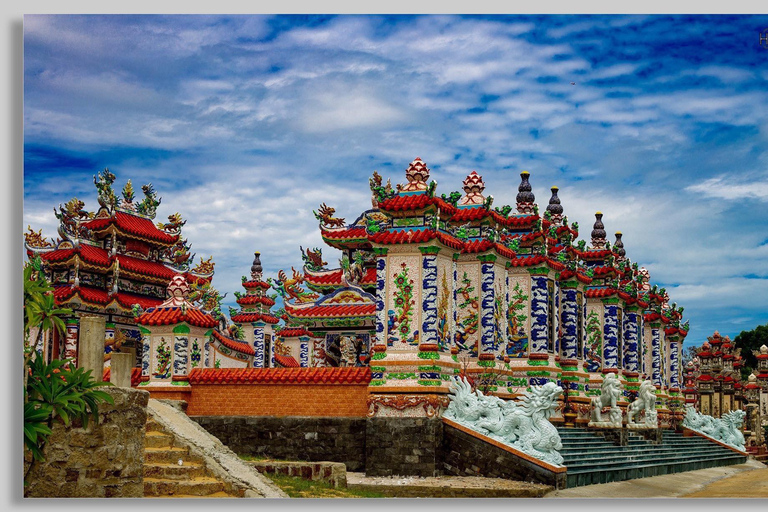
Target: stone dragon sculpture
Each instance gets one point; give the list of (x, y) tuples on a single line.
[(724, 429), (523, 425)]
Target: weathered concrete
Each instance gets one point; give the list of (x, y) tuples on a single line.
[(446, 487), (101, 461), (313, 439), (219, 459), (403, 446), (120, 370), (664, 486), (332, 473), (90, 355)]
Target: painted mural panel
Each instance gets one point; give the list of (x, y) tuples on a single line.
[(162, 363), (518, 317), (444, 303), (468, 308), (593, 350), (403, 301)]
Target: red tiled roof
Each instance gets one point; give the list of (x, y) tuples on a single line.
[(567, 274), (88, 253), (332, 311), (348, 232), (286, 361), (173, 315), (134, 225), (528, 260), (233, 344), (101, 297), (247, 318), (144, 267), (603, 270), (333, 278), (592, 254), (255, 284), (652, 317), (704, 377), (291, 332), (521, 220), (332, 375), (415, 202), (599, 292), (413, 236), (470, 213), (255, 299)]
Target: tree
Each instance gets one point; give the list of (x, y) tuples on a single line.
[(689, 353), (748, 341)]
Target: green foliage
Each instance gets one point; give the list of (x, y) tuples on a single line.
[(55, 390), (748, 341)]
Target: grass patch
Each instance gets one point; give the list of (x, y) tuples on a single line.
[(256, 458), (296, 487)]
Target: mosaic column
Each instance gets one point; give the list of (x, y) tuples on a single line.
[(641, 348), (109, 342), (610, 338), (454, 303), (146, 351), (539, 319), (487, 308), (631, 345), (381, 296), (428, 336), (556, 305), (569, 317), (505, 312), (304, 351), (258, 347), (655, 356), (674, 364), (70, 343), (180, 351)]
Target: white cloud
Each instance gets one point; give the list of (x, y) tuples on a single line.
[(725, 188)]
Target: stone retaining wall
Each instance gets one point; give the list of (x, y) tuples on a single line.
[(403, 446), (465, 454), (292, 437), (332, 473), (102, 461)]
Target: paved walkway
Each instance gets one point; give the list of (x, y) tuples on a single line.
[(749, 480)]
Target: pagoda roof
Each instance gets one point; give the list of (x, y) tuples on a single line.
[(410, 202), (247, 318), (170, 315), (528, 260), (416, 236), (255, 299), (477, 246), (231, 343), (99, 297), (255, 284), (704, 377), (333, 277), (571, 273), (286, 361), (135, 225)]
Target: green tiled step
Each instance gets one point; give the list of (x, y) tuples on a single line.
[(590, 459)]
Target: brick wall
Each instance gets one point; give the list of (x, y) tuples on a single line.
[(314, 392)]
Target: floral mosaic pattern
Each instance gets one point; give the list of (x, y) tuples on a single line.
[(162, 360), (195, 355), (443, 330), (404, 305), (594, 349), (517, 341), (469, 320)]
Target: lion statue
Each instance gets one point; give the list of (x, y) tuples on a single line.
[(610, 391), (646, 401), (522, 424)]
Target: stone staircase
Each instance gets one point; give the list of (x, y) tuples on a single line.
[(591, 459), (164, 477)]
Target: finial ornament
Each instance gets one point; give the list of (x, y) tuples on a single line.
[(473, 190), (554, 208), (525, 198), (598, 232), (417, 175)]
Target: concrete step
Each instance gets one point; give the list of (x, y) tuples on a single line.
[(169, 455), (154, 426), (156, 439), (198, 486), (174, 471), (621, 462)]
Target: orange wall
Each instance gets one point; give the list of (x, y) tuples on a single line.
[(278, 399)]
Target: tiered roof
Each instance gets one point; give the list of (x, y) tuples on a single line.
[(255, 306)]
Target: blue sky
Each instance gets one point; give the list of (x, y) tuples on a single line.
[(244, 124)]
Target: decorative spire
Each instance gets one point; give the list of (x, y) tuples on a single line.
[(645, 278), (178, 291), (473, 186), (555, 208), (256, 268), (525, 197), (417, 175), (598, 232), (618, 247)]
